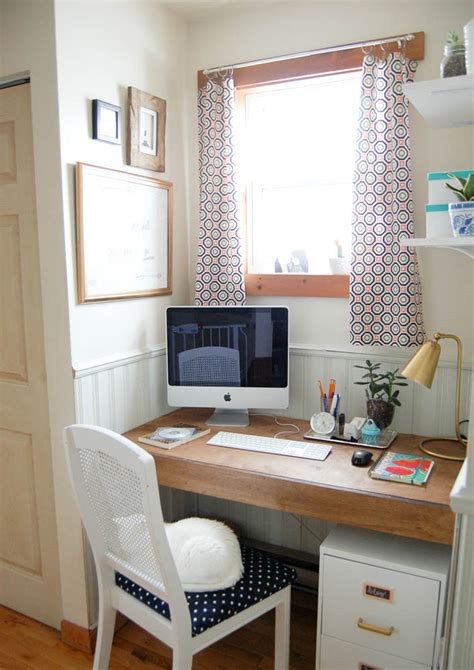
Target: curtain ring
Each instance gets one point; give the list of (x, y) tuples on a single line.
[(402, 44), (220, 74), (367, 50)]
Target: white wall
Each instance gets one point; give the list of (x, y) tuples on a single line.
[(271, 29), (102, 48)]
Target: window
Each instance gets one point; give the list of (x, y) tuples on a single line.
[(296, 147)]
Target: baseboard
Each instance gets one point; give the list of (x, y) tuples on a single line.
[(84, 638), (78, 637)]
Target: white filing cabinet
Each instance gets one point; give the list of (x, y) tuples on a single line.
[(381, 601)]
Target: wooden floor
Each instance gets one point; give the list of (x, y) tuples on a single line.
[(28, 645)]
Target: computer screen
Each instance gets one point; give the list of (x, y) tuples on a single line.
[(228, 358)]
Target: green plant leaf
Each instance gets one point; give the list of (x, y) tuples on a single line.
[(464, 190), (458, 193), (469, 187), (453, 37)]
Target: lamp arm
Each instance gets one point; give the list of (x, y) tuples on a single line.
[(448, 336)]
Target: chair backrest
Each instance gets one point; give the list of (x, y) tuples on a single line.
[(209, 365), (116, 489)]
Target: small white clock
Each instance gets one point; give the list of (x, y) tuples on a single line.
[(323, 423)]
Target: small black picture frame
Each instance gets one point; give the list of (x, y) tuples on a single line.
[(105, 122)]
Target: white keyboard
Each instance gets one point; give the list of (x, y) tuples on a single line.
[(270, 445)]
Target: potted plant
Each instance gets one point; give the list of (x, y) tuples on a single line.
[(339, 264), (462, 212), (382, 396), (454, 61)]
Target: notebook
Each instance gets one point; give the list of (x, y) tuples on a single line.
[(404, 468)]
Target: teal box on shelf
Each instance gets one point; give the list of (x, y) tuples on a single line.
[(438, 223)]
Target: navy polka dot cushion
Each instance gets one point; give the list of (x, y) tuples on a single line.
[(263, 576)]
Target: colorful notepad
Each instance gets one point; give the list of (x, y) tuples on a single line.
[(404, 468)]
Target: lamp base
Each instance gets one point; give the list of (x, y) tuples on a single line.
[(462, 445)]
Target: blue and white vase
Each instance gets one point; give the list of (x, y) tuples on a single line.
[(462, 218)]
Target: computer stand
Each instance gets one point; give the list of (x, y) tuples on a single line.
[(238, 418)]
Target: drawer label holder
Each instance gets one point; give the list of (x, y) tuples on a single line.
[(377, 592)]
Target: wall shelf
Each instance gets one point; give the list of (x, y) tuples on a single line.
[(444, 103), (464, 245)]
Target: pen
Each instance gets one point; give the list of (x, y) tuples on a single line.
[(332, 388), (321, 396)]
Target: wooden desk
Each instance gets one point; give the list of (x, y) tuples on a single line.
[(333, 489)]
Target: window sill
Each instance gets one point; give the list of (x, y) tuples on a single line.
[(318, 286)]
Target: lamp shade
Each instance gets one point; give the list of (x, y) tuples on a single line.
[(422, 365)]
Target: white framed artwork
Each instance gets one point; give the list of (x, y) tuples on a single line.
[(123, 233)]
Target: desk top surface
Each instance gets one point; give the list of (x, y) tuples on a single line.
[(333, 489)]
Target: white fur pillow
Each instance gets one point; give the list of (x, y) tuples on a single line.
[(206, 552)]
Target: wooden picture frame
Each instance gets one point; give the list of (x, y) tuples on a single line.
[(146, 130), (123, 234), (106, 124)]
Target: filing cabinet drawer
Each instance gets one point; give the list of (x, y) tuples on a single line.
[(340, 655), (390, 611)]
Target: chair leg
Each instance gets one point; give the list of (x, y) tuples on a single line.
[(105, 636), (282, 632), (182, 657)]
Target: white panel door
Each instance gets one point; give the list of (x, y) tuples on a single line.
[(29, 571)]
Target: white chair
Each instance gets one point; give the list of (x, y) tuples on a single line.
[(116, 488)]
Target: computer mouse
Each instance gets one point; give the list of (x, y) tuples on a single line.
[(361, 457)]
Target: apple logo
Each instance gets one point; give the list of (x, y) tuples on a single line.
[(227, 397)]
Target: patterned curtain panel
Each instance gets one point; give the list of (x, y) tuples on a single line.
[(219, 272), (385, 291)]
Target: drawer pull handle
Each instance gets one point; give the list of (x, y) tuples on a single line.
[(374, 629)]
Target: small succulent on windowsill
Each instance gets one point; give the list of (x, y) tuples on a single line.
[(465, 191), (382, 396)]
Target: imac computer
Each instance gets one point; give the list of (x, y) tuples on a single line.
[(228, 358)]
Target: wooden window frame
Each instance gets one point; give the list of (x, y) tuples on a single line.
[(293, 69)]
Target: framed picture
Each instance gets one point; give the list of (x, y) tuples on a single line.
[(146, 130), (105, 122), (123, 234)]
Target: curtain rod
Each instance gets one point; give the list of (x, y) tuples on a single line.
[(342, 47)]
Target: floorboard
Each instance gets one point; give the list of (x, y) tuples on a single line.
[(28, 645)]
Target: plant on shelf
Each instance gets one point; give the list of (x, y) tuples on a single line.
[(465, 191), (382, 396), (453, 39), (454, 60), (461, 213)]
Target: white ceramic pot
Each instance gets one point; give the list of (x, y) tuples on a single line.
[(462, 218), (340, 266)]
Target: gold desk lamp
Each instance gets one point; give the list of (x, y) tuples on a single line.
[(420, 369)]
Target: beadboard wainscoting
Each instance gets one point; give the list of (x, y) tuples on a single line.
[(125, 393)]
